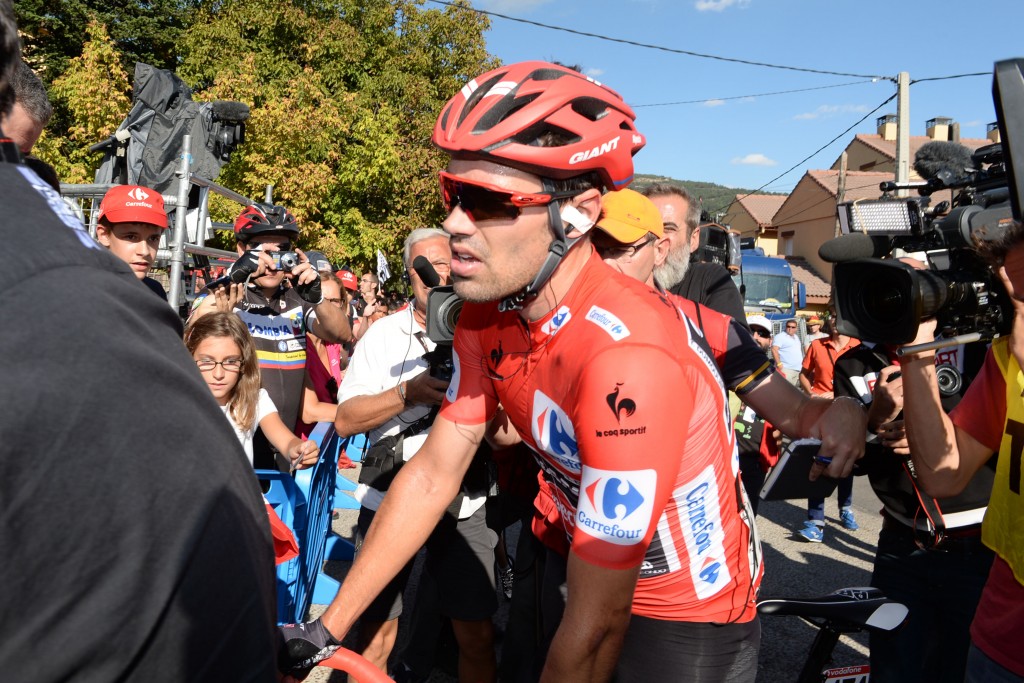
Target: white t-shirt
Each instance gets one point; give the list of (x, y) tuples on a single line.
[(391, 352), (264, 406)]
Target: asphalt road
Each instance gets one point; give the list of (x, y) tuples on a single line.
[(793, 568)]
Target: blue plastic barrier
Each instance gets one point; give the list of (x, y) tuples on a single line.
[(304, 503)]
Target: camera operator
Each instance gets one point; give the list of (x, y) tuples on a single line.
[(930, 556), (388, 391), (948, 451), (280, 303)]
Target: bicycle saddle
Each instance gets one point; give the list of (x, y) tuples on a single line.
[(860, 607)]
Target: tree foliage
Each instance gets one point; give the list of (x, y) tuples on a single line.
[(94, 90), (344, 97)]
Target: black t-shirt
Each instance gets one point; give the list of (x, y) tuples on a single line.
[(135, 543), (855, 374), (710, 284)]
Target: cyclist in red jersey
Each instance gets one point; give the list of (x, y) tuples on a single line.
[(604, 377)]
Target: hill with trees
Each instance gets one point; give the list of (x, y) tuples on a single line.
[(714, 198)]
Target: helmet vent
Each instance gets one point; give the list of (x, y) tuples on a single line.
[(478, 95), (590, 108), (543, 134)]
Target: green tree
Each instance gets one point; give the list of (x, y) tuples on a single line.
[(94, 90), (344, 96)]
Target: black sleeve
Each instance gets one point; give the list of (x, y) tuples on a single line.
[(745, 363), (710, 284)]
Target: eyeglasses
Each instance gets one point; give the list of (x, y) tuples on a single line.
[(758, 332), (483, 202), (229, 365), (616, 251), (790, 327)]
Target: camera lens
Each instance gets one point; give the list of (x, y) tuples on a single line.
[(288, 260), (949, 379)]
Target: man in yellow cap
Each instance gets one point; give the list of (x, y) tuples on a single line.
[(631, 237)]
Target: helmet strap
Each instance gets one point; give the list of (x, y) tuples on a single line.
[(557, 250)]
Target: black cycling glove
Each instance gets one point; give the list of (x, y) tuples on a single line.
[(303, 646), (247, 264), (311, 292)]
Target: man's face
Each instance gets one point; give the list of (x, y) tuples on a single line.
[(437, 251), (270, 242), (367, 285), (133, 243), (635, 260), (762, 336), (496, 257), (21, 128), (791, 328), (673, 210)]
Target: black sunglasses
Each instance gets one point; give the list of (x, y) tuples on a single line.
[(483, 202)]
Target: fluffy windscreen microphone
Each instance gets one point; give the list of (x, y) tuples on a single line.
[(851, 247), (947, 159), (227, 110), (426, 272)]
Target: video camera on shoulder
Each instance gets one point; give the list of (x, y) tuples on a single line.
[(885, 300)]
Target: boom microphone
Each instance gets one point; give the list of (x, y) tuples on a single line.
[(426, 272), (851, 247), (227, 110), (943, 160)]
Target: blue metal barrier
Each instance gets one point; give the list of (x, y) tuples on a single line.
[(305, 503)]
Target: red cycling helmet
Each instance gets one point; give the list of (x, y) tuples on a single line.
[(502, 115), (258, 219)]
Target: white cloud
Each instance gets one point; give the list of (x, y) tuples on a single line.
[(713, 103), (512, 6), (718, 5), (829, 110), (595, 73), (754, 160)]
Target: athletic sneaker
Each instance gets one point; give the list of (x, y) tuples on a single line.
[(847, 519), (812, 532), (506, 577)]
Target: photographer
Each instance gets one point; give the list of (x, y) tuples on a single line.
[(930, 556), (279, 304), (948, 451), (388, 391)]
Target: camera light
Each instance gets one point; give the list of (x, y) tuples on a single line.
[(880, 217)]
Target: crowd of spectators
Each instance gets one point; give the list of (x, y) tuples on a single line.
[(262, 359)]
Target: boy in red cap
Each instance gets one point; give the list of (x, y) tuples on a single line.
[(130, 222)]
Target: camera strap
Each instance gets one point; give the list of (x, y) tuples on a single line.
[(936, 530)]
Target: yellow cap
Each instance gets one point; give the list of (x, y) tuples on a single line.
[(627, 216)]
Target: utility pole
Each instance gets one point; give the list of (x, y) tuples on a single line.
[(841, 191), (903, 131)]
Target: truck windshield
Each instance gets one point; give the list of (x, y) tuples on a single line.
[(766, 290)]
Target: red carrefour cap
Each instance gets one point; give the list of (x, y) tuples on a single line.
[(349, 279), (133, 204)]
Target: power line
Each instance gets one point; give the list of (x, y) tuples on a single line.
[(947, 78), (817, 151), (657, 47), (819, 203), (743, 97)]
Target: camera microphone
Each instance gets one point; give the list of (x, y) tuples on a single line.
[(227, 110), (426, 272), (945, 161), (851, 247)]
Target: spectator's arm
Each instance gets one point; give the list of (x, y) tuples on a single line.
[(362, 413), (313, 409), (806, 378), (588, 641), (301, 453), (331, 324), (775, 355)]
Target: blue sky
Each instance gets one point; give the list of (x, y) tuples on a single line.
[(746, 142)]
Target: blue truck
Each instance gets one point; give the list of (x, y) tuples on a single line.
[(765, 282)]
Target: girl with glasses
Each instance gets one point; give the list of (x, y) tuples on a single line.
[(225, 354)]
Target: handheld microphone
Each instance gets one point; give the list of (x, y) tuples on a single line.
[(852, 247), (426, 272)]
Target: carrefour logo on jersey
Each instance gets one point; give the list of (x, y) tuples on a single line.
[(553, 432), (616, 506), (608, 322), (700, 518)]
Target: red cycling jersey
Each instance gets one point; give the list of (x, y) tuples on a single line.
[(617, 394)]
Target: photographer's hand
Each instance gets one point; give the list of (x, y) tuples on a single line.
[(306, 280), (425, 390), (894, 435), (887, 398), (227, 297)]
